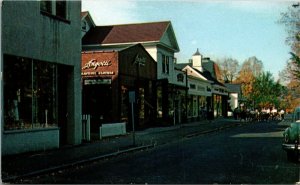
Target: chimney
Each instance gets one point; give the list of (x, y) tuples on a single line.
[(197, 61)]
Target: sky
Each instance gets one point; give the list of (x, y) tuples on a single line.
[(238, 29)]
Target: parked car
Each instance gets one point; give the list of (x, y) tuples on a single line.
[(291, 137)]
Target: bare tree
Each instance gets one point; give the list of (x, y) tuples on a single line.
[(291, 20), (229, 69)]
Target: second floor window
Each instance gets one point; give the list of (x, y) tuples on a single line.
[(165, 64), (56, 8)]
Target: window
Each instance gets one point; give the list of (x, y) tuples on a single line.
[(192, 86), (55, 8), (46, 6), (30, 93), (165, 64)]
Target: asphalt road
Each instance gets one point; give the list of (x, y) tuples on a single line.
[(249, 154)]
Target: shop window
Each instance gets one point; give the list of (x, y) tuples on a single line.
[(159, 102), (165, 64), (55, 8), (192, 86), (190, 105), (30, 98), (141, 104)]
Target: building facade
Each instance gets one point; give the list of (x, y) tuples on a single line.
[(109, 76), (235, 95), (159, 40), (205, 92), (41, 90)]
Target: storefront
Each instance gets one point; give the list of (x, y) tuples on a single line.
[(40, 68), (35, 104), (198, 101), (108, 76), (220, 100)]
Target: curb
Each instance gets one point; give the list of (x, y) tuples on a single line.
[(56, 168), (110, 155)]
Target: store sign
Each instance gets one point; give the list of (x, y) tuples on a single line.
[(140, 61), (97, 81), (94, 64), (97, 73)]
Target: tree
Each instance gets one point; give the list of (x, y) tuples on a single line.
[(229, 69), (254, 65), (291, 74), (291, 20), (266, 92), (251, 68)]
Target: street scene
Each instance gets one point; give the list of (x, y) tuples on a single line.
[(150, 92)]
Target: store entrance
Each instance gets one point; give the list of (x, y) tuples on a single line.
[(97, 102), (62, 109)]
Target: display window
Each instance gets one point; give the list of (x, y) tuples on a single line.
[(190, 105), (30, 93), (159, 102), (217, 105)]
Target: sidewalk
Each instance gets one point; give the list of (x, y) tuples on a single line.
[(22, 165)]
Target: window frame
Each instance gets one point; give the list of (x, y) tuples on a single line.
[(53, 4), (165, 64)]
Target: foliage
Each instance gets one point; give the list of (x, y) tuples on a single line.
[(291, 73), (251, 68), (266, 92)]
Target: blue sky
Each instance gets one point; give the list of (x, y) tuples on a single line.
[(219, 28)]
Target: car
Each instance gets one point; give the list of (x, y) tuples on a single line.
[(291, 137)]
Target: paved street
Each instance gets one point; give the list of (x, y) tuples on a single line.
[(247, 154)]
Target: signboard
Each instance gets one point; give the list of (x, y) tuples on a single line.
[(96, 81), (140, 61), (97, 73), (131, 97), (99, 64), (94, 64)]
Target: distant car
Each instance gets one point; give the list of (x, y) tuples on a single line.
[(291, 137)]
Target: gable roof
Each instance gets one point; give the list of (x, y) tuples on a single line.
[(130, 33), (206, 73), (87, 16), (83, 14)]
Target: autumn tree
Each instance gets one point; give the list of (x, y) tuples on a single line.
[(251, 68), (229, 69)]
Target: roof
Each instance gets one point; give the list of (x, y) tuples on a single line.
[(128, 33), (197, 53), (208, 65), (207, 74), (86, 15), (83, 14)]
